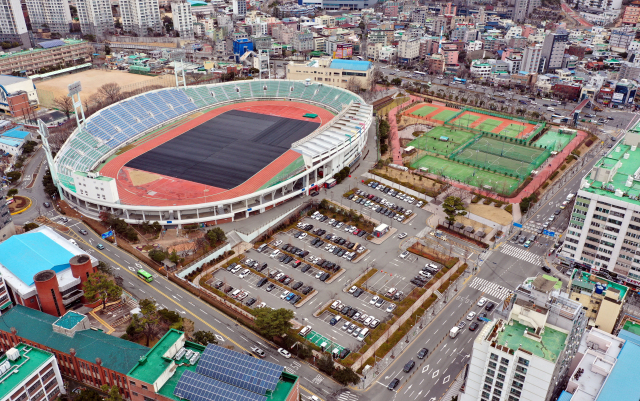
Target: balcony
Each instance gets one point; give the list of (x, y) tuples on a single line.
[(72, 296)]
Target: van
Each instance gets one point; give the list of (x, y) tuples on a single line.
[(275, 253), (235, 293), (305, 330), (335, 320), (364, 333), (335, 353), (550, 109), (261, 247)]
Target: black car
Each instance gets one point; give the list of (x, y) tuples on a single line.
[(296, 264), (261, 268), (423, 353), (557, 212), (228, 289), (306, 290), (319, 244), (344, 353), (218, 284), (409, 365), (297, 234), (295, 299), (546, 269), (489, 306), (46, 204), (328, 237), (231, 266), (297, 285), (352, 312), (394, 383), (361, 233), (345, 309), (287, 280), (481, 316), (340, 253), (270, 287), (283, 257), (305, 268), (473, 326), (314, 241), (342, 241), (250, 302), (286, 247), (350, 197), (358, 292), (324, 277), (262, 282)]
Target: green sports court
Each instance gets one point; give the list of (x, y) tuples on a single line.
[(512, 130), (467, 174), (465, 119), (318, 339), (445, 115), (432, 141), (554, 140), (424, 111), (489, 125)]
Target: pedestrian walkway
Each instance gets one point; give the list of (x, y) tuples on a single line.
[(490, 289), (521, 254), (347, 396)]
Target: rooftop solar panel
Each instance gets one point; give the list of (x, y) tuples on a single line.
[(195, 387), (239, 369), (51, 43)]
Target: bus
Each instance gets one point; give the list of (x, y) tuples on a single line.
[(456, 79), (330, 183), (145, 276), (419, 73)]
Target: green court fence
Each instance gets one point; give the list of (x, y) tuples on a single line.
[(539, 126)]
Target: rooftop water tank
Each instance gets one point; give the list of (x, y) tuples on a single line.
[(599, 288)]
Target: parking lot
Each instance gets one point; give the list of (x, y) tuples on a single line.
[(392, 272)]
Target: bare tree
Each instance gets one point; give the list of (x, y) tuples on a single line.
[(64, 104), (110, 92), (376, 75), (353, 85)]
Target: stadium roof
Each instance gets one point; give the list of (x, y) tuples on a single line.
[(355, 65)]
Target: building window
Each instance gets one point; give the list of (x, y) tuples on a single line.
[(487, 387), (485, 394), (515, 392), (132, 383), (504, 361), (503, 369), (499, 384), (496, 391), (517, 384), (488, 380), (493, 357), (148, 399), (134, 393), (519, 377), (144, 387), (492, 365), (523, 361), (491, 372)]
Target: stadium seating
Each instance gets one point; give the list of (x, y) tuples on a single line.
[(115, 125)]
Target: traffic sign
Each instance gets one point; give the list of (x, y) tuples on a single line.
[(107, 234), (517, 225), (549, 233)]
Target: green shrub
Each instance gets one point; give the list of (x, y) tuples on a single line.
[(509, 208), (546, 184)]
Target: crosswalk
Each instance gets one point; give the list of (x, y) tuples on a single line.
[(347, 396), (521, 254), (490, 289)]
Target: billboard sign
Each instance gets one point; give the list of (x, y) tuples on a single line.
[(343, 50), (549, 233), (517, 225), (617, 97), (74, 88)]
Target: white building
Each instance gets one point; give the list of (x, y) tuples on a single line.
[(620, 39), (53, 15), (531, 58), (182, 19), (603, 5), (480, 68), (32, 372), (473, 45), (239, 7), (96, 17), (140, 16), (408, 50), (528, 347), (523, 8), (513, 32), (13, 27), (388, 54)]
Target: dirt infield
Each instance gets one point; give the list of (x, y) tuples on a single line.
[(91, 80), (492, 213)]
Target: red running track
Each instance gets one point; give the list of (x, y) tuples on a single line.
[(169, 191)]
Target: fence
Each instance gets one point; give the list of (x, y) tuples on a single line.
[(539, 126), (299, 210), (191, 267)]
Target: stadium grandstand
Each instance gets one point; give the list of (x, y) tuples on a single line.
[(117, 159)]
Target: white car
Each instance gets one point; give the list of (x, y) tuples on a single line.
[(284, 353), (244, 273), (391, 308), (420, 203), (374, 300), (319, 274), (402, 235), (284, 294), (352, 289), (482, 301), (404, 255), (471, 315), (236, 269), (277, 243), (261, 305), (302, 236)]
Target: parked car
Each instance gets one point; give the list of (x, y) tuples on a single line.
[(284, 353)]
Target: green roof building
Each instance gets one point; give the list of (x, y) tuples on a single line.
[(28, 372)]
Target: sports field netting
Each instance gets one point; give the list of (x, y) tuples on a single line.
[(445, 115), (431, 141), (554, 140), (488, 125), (467, 174), (424, 111), (465, 120), (512, 130)]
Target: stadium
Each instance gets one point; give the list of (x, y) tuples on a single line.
[(210, 154)]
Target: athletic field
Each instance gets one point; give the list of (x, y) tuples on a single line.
[(424, 111), (431, 141), (467, 174)]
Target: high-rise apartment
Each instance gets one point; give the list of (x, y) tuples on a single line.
[(523, 8), (96, 17), (239, 7), (553, 50), (182, 19), (53, 15), (13, 27), (531, 58), (140, 16)]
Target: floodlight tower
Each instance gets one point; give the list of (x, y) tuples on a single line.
[(178, 57), (263, 54), (78, 110)]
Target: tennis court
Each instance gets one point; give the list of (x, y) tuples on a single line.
[(505, 149), (318, 339), (431, 141), (513, 130), (467, 174), (465, 120), (554, 140), (445, 115), (424, 111), (489, 125)]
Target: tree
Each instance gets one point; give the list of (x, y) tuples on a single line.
[(149, 319), (88, 395), (14, 176), (375, 77), (346, 376), (204, 337), (396, 81), (100, 287), (215, 236), (353, 85), (107, 49), (157, 255), (30, 226), (453, 207), (273, 322), (113, 393), (64, 104), (110, 92), (105, 268), (325, 364), (12, 191)]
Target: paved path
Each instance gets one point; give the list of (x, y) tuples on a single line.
[(394, 138)]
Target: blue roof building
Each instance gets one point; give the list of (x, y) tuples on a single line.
[(355, 65), (16, 133)]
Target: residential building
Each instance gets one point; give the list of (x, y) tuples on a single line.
[(528, 346), (531, 58), (141, 17), (523, 8), (620, 39), (239, 7), (388, 54), (604, 230), (473, 45), (553, 50), (332, 72), (480, 68), (85, 355), (182, 19), (52, 15), (515, 63), (303, 42), (29, 373), (631, 15), (18, 96), (408, 50), (44, 271), (629, 71), (601, 299), (450, 53), (567, 91), (604, 5), (7, 228), (569, 62), (13, 27), (177, 369), (96, 17)]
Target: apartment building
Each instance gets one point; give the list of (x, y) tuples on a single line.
[(601, 299), (141, 17), (531, 57), (604, 230), (527, 349), (553, 50), (303, 41), (408, 50), (96, 17), (13, 27), (182, 19), (621, 38), (239, 7), (604, 5), (56, 52), (523, 8), (52, 15), (332, 72), (27, 372), (631, 15)]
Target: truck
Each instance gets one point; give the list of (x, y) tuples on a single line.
[(454, 332), (330, 183)]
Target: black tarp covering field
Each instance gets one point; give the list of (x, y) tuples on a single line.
[(225, 151)]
